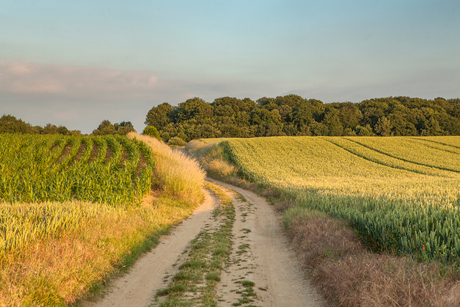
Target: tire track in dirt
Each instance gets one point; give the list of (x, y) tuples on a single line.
[(261, 254), (139, 286)]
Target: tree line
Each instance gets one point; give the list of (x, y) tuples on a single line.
[(292, 115), (11, 124)]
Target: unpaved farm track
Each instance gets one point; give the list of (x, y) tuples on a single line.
[(139, 286), (260, 254)]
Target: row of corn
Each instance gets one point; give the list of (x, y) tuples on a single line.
[(63, 168)]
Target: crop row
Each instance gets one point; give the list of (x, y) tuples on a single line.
[(65, 168)]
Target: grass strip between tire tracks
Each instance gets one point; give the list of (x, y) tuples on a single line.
[(209, 252)]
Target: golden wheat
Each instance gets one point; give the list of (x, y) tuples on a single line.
[(400, 193)]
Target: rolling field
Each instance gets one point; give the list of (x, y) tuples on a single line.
[(401, 193)]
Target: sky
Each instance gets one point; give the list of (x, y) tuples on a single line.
[(78, 62)]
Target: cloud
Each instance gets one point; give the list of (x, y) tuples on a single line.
[(48, 82), (81, 97), (78, 82)]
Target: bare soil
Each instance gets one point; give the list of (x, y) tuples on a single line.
[(261, 255), (81, 149), (94, 153), (65, 153)]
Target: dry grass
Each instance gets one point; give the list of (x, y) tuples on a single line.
[(175, 172), (349, 275), (57, 270), (221, 168), (197, 148), (282, 206), (212, 158)]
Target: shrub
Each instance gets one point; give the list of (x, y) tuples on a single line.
[(165, 136), (176, 141), (152, 131)]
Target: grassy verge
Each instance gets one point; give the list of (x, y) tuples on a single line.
[(97, 241), (345, 270), (209, 252)]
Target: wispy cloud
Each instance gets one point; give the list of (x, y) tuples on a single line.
[(110, 85), (81, 97), (81, 82)]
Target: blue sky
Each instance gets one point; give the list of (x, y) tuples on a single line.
[(75, 63)]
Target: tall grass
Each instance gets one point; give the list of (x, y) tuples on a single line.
[(212, 157), (175, 172), (57, 268)]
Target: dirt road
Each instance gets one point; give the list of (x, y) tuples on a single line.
[(260, 258), (138, 287), (261, 254)]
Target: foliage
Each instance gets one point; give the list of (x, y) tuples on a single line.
[(293, 115), (124, 128), (176, 141), (401, 194), (10, 124), (106, 128), (152, 131)]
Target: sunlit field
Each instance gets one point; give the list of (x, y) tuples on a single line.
[(401, 193), (76, 209)]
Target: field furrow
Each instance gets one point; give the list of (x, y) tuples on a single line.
[(387, 160), (405, 149)]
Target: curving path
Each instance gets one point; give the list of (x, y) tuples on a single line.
[(260, 254)]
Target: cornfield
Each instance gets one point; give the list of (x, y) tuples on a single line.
[(102, 169), (46, 182), (401, 193)]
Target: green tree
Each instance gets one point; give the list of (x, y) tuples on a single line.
[(63, 130), (50, 129), (364, 130), (183, 136), (332, 121), (195, 108), (124, 128), (383, 126), (105, 127), (159, 116), (165, 136), (10, 124)]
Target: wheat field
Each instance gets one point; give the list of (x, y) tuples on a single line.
[(401, 193)]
